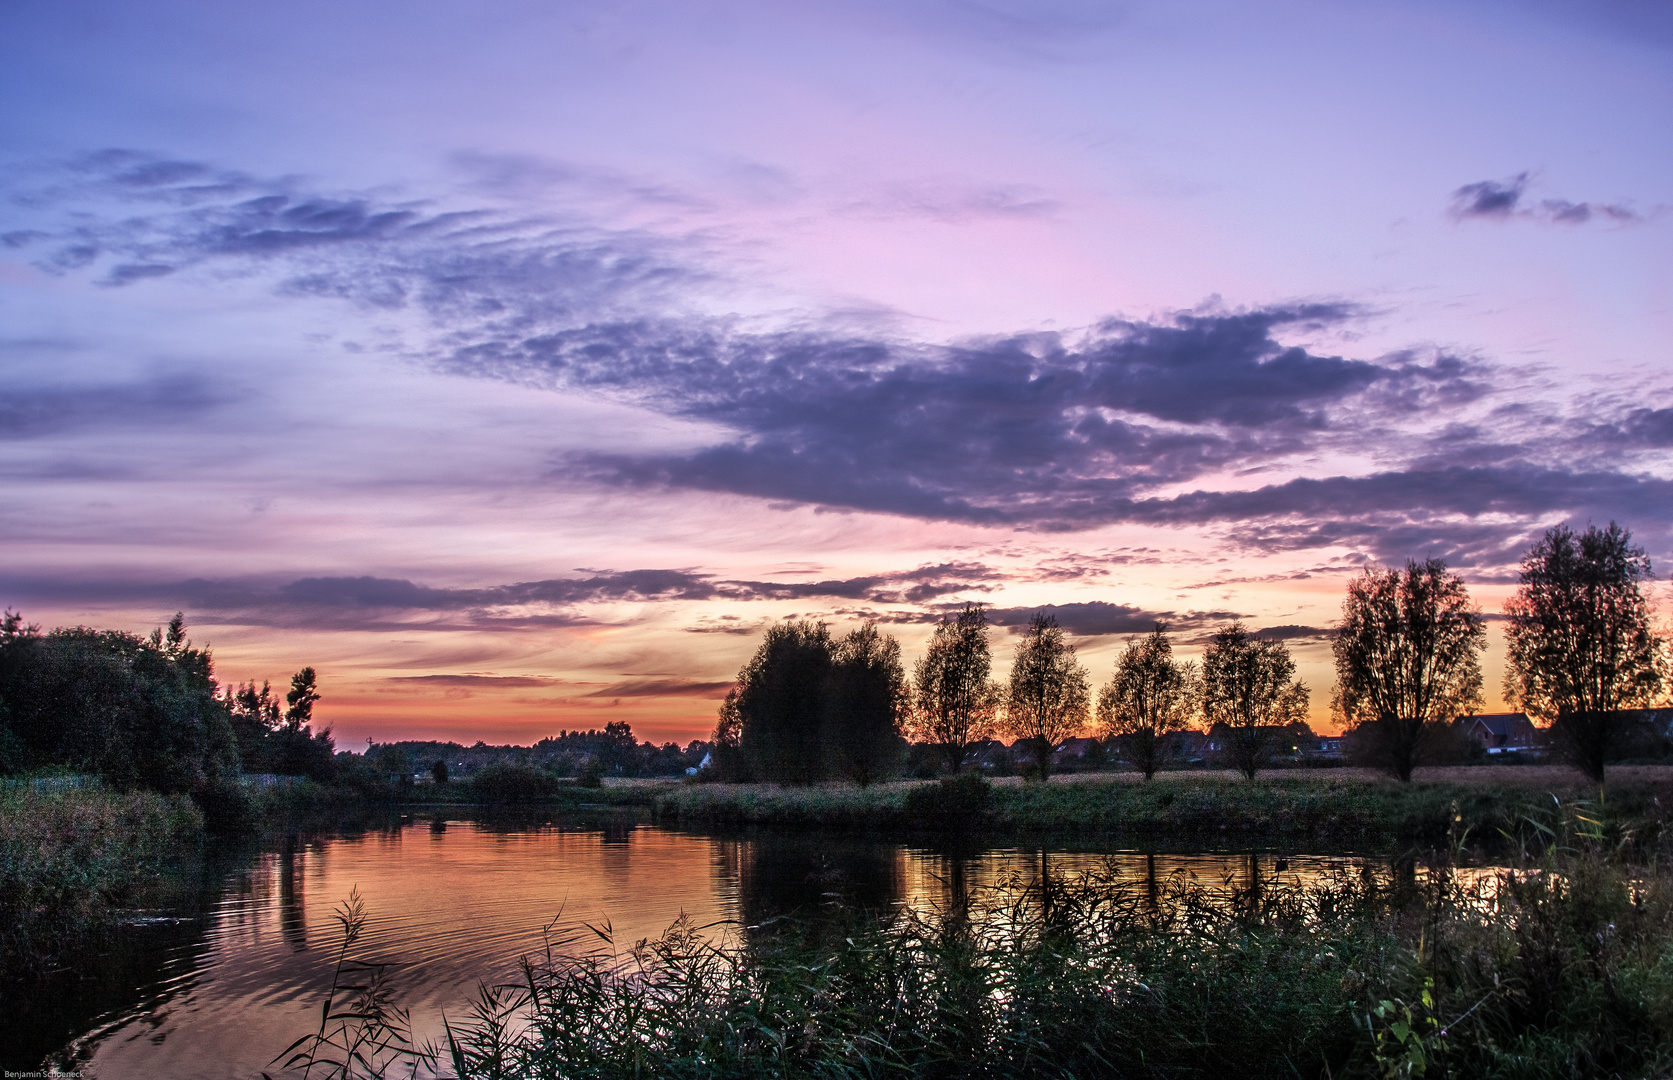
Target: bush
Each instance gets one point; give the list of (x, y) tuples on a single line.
[(69, 858), (591, 774), (503, 784), (963, 799)]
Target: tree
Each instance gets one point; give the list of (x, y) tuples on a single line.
[(1407, 658), (781, 703), (1047, 698), (1581, 646), (1249, 691), (866, 704), (300, 698), (954, 703), (295, 748), (1149, 696), (137, 711)]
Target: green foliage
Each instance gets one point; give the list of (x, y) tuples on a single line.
[(866, 704), (962, 800), (781, 703), (1557, 969), (136, 711), (510, 783), (71, 856), (591, 774)]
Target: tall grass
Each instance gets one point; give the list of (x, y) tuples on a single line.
[(1562, 967), (70, 860)]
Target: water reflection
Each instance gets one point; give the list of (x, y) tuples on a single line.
[(455, 902)]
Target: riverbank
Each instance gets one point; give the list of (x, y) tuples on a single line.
[(1338, 808), (72, 859)]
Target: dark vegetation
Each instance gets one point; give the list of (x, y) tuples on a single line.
[(1325, 810), (1555, 967)]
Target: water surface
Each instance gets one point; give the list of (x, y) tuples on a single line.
[(223, 983)]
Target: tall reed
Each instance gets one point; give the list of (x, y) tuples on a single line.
[(1561, 967)]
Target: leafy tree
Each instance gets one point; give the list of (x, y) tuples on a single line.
[(293, 747), (954, 703), (1149, 696), (1407, 658), (867, 704), (137, 711), (300, 698), (781, 703), (255, 717), (1582, 650), (1047, 698), (438, 771), (1249, 692)]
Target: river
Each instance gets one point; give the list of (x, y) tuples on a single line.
[(235, 968)]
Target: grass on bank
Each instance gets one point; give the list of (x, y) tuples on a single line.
[(72, 859), (1560, 968), (1330, 808)]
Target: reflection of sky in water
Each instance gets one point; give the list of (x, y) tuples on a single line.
[(452, 904)]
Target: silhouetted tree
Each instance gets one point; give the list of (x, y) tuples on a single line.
[(1407, 658), (438, 771), (1149, 696), (867, 703), (1249, 692), (1582, 650), (139, 711), (954, 704), (1047, 698), (295, 748), (781, 703)]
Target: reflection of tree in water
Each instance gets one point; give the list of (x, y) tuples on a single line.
[(293, 898), (794, 875)]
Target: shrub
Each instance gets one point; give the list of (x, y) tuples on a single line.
[(591, 774), (508, 783), (964, 798)]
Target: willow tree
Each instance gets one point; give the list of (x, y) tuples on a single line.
[(1047, 699), (1150, 696), (1582, 650), (1407, 658), (1249, 691), (954, 704)]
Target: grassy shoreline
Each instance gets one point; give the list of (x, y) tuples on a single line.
[(1331, 808)]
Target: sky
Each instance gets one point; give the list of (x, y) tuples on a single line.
[(516, 364)]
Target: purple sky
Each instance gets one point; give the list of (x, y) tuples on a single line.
[(514, 364)]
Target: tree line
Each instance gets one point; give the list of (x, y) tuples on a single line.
[(1583, 660), (147, 711)]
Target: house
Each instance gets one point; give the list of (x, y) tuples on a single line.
[(1075, 748), (1502, 733), (1281, 740)]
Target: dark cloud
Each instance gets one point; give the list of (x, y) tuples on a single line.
[(1048, 431), (477, 681), (1489, 198), (1292, 632), (28, 412), (1501, 200), (1098, 617), (660, 688)]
